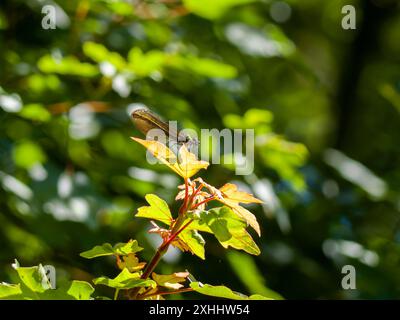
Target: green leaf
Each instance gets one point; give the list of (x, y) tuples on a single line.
[(26, 154), (212, 9), (67, 65), (194, 241), (171, 281), (199, 225), (100, 53), (158, 210), (229, 229), (124, 249), (223, 292), (144, 64), (210, 68), (125, 280), (121, 249), (204, 66), (36, 112), (286, 158), (35, 286), (121, 8), (33, 278), (80, 290), (8, 290)]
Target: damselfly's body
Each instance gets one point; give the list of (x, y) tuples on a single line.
[(145, 121)]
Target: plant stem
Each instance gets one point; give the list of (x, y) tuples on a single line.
[(204, 201), (154, 261), (162, 249), (179, 231), (116, 294)]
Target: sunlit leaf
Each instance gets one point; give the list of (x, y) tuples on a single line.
[(286, 158), (186, 166), (130, 262), (243, 213), (8, 290), (188, 163), (107, 249), (223, 292), (35, 112), (231, 191), (144, 64), (80, 290), (158, 210), (205, 67), (229, 229), (33, 278), (125, 280), (67, 65), (191, 240), (198, 225), (231, 197), (121, 7), (171, 281), (100, 53), (26, 154), (212, 9)]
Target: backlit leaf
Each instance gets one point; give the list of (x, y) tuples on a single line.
[(80, 290), (125, 280), (107, 249), (212, 9), (131, 262), (8, 290), (186, 166), (171, 281), (158, 210), (229, 229), (191, 240), (223, 292)]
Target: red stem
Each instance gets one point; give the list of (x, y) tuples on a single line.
[(162, 249), (204, 201), (173, 236)]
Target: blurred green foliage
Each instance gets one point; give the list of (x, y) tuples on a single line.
[(324, 103)]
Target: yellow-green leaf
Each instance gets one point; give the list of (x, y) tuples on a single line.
[(223, 292), (36, 112), (80, 290), (7, 290), (171, 281), (229, 229), (212, 9), (125, 280), (194, 242), (158, 210), (186, 165), (106, 249)]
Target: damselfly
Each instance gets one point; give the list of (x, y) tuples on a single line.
[(146, 121)]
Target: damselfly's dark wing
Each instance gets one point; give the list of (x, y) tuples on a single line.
[(145, 120)]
